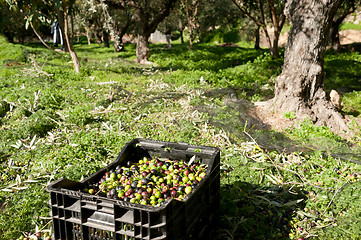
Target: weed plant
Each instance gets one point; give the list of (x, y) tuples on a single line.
[(57, 123)]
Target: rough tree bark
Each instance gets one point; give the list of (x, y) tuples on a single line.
[(142, 49), (299, 88)]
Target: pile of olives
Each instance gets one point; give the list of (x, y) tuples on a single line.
[(150, 181)]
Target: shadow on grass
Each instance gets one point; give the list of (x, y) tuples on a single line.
[(238, 118), (249, 211)]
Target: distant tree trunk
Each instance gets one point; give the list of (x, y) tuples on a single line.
[(73, 55), (191, 38), (276, 16), (142, 51), (88, 35), (256, 43), (106, 39), (147, 26), (98, 35), (61, 20), (181, 35), (299, 88), (346, 9), (335, 37), (191, 9)]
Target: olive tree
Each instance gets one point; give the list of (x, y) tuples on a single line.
[(264, 14), (346, 8), (46, 10), (299, 88), (148, 14)]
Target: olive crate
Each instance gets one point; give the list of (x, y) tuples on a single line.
[(79, 215)]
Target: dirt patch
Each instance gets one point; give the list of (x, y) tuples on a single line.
[(350, 36), (227, 44), (274, 119)]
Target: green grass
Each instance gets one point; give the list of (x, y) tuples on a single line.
[(71, 125), (348, 26)]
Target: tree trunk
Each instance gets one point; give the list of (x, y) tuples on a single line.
[(181, 35), (98, 35), (274, 47), (147, 27), (256, 43), (118, 42), (61, 19), (118, 36), (106, 39), (299, 88), (142, 49), (70, 46), (191, 38), (335, 37), (88, 33)]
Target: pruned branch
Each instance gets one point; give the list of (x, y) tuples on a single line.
[(39, 37)]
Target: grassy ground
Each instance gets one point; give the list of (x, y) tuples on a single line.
[(56, 123), (349, 25)]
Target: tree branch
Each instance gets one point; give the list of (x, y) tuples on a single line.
[(40, 38), (163, 13), (245, 12)]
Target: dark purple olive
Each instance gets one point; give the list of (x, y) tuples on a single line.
[(166, 195), (109, 195), (144, 181), (134, 184)]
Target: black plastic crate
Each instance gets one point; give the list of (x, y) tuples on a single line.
[(78, 215)]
